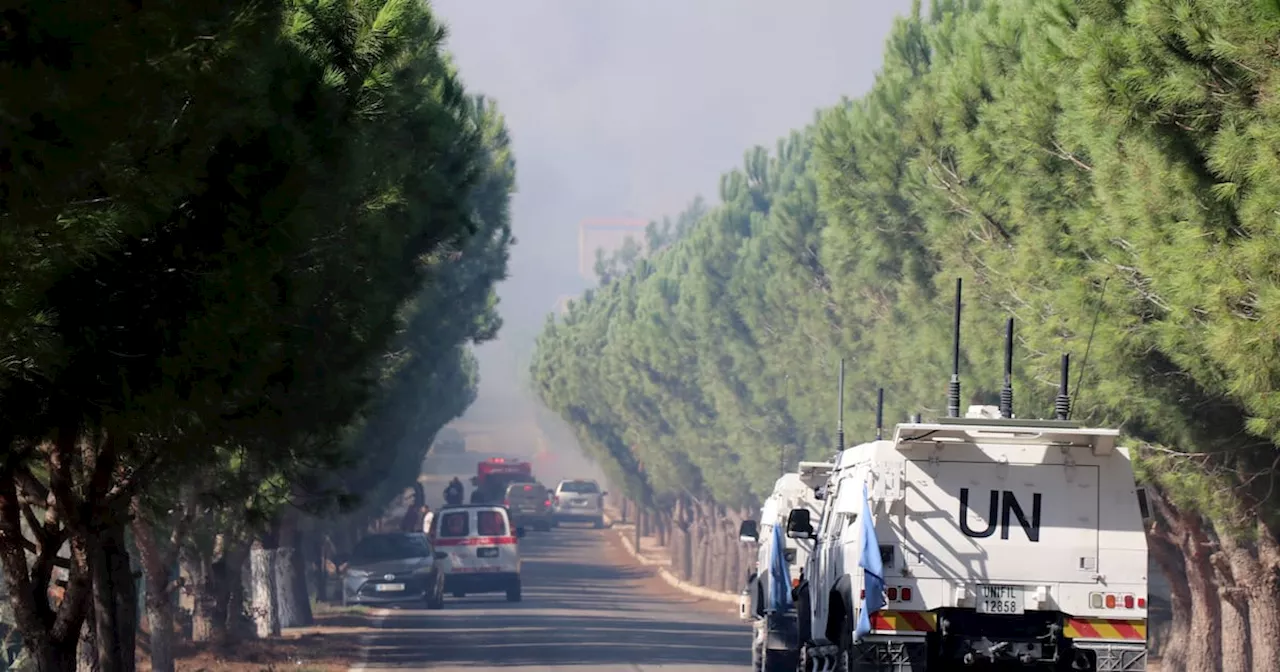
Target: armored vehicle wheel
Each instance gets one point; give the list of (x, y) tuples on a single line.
[(764, 659)]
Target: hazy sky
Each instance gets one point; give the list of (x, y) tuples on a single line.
[(630, 108)]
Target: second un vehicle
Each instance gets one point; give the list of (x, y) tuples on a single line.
[(986, 541), (775, 643)]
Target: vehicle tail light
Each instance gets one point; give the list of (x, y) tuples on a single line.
[(557, 499), (506, 502), (1128, 601), (892, 593), (547, 503), (795, 583), (1142, 603), (906, 594), (1111, 601), (863, 595)]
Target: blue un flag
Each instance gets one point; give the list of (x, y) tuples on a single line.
[(872, 570), (779, 574)]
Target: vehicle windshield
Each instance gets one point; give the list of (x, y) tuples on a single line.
[(580, 487), (383, 547)]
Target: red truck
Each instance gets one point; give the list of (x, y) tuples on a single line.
[(495, 474)]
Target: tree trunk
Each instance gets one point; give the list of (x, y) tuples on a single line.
[(685, 533), (115, 600), (159, 598), (229, 592), (1204, 654), (49, 638), (1258, 595), (638, 527), (660, 524), (1173, 642), (701, 541), (86, 655), (291, 582), (266, 612), (1234, 616)]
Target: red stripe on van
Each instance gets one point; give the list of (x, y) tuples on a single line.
[(476, 541)]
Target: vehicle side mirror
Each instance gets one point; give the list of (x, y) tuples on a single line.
[(519, 533), (799, 525), (604, 493), (441, 555), (749, 530)]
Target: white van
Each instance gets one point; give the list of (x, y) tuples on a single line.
[(483, 548)]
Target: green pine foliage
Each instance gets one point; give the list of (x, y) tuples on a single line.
[(1103, 172), (243, 250)]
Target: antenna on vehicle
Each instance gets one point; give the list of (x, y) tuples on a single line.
[(880, 414), (953, 389), (1062, 403), (1006, 393), (840, 410)]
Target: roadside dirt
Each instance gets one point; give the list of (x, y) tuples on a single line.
[(654, 585), (332, 645)]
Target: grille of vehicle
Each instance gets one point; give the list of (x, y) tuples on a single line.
[(412, 584)]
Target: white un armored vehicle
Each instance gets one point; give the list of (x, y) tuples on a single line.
[(1001, 542), (775, 644)]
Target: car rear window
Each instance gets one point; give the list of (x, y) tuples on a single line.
[(491, 524), (524, 490), (580, 487), (453, 524)]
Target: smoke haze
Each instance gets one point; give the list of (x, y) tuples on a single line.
[(630, 108)]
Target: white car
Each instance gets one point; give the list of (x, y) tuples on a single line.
[(483, 548), (578, 501)]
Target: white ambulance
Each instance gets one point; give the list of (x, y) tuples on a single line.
[(483, 548)]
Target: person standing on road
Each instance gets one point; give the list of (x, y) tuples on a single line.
[(454, 492)]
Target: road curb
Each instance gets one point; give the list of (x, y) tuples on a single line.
[(666, 574)]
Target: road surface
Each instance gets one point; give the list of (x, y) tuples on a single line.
[(584, 607)]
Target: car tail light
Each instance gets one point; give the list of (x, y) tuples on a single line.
[(557, 499), (1128, 601), (547, 503), (795, 583), (1142, 603)]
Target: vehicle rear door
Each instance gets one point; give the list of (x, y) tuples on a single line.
[(495, 541)]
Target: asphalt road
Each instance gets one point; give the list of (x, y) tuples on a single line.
[(585, 605)]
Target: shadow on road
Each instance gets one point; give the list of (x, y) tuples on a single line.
[(577, 610)]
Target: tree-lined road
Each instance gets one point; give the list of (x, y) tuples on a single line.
[(584, 605)]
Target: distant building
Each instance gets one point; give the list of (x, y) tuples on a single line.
[(607, 235), (562, 304)]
